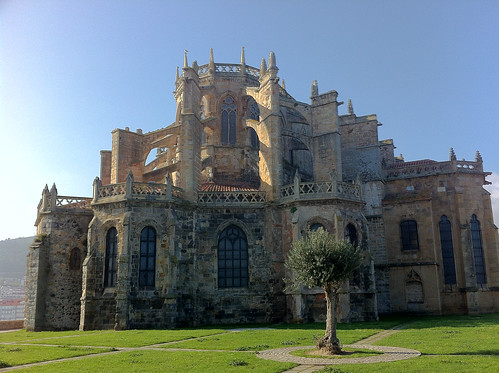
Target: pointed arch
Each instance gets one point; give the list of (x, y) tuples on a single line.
[(447, 247), (232, 258), (110, 266), (476, 243), (228, 109)]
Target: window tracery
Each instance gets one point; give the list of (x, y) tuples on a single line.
[(228, 121)]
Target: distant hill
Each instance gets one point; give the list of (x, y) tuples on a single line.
[(13, 255)]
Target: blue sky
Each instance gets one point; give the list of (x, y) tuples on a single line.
[(72, 71)]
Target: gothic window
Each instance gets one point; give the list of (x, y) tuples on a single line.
[(75, 259), (228, 121), (447, 251), (232, 258), (253, 110), (351, 234), (255, 141), (147, 269), (476, 242), (111, 258), (409, 235)]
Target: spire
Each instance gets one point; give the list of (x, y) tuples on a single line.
[(243, 60), (176, 76), (452, 155), (315, 89), (478, 157), (350, 107), (283, 85), (212, 61), (263, 67), (186, 65)]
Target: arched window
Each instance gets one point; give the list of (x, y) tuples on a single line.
[(232, 258), (75, 259), (147, 269), (351, 234), (111, 258), (228, 121), (476, 242), (253, 111), (447, 251), (254, 140), (409, 235)]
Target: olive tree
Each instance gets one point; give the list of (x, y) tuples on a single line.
[(318, 259)]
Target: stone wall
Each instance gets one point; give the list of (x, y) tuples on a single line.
[(54, 283)]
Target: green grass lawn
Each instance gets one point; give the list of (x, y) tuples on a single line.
[(450, 335), (449, 344), (11, 355)]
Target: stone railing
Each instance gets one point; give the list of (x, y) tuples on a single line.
[(241, 198), (72, 202), (428, 167), (229, 68), (51, 201), (321, 189), (131, 190)]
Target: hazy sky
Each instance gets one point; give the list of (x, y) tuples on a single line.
[(72, 71)]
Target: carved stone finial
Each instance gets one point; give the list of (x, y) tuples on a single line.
[(452, 155), (211, 64), (129, 176), (272, 64), (263, 67), (350, 107), (177, 75), (53, 190), (186, 65), (315, 89), (478, 157), (46, 189), (195, 66), (283, 85), (243, 60)]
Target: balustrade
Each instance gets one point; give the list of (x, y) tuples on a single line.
[(231, 198), (321, 189)]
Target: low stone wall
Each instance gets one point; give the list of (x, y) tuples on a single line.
[(11, 324)]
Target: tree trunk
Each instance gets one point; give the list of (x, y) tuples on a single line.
[(330, 344)]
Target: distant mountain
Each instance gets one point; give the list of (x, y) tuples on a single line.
[(13, 255)]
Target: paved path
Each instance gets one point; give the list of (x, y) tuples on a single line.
[(310, 364)]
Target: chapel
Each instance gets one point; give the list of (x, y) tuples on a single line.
[(191, 224)]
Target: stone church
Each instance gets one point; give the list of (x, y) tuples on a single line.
[(191, 224)]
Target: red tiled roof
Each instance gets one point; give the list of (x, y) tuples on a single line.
[(413, 163), (212, 187)]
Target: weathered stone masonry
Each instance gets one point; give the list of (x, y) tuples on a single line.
[(199, 235)]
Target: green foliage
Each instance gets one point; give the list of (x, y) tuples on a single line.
[(319, 260)]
